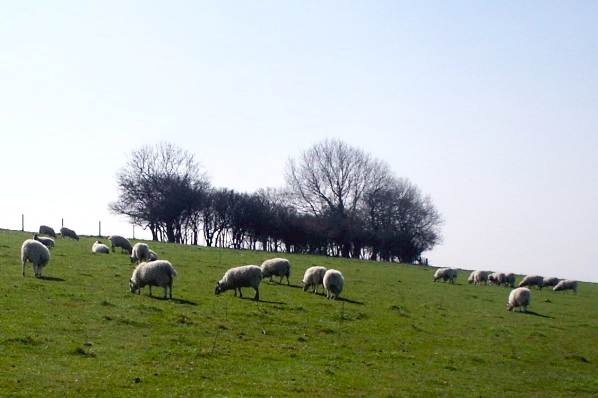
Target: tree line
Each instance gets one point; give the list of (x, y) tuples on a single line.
[(337, 201)]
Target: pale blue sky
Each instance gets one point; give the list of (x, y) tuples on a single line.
[(490, 107)]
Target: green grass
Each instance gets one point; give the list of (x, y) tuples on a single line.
[(82, 333)]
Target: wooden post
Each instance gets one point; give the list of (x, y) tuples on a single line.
[(22, 222), (99, 229), (62, 222)]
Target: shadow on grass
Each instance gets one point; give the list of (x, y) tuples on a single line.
[(51, 278), (346, 300), (264, 301), (534, 314), (174, 300)]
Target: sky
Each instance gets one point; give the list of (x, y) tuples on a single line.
[(491, 108)]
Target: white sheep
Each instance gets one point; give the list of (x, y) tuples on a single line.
[(566, 284), (36, 253), (68, 233), (153, 273), (276, 266), (48, 242), (446, 274), (519, 297), (313, 276), (510, 279), (140, 253), (552, 281), (238, 277), (333, 283), (477, 277), (99, 247), (532, 280), (45, 230), (497, 278), (120, 241), (152, 256)]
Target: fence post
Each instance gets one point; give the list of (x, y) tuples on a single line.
[(22, 222), (100, 229), (62, 222)]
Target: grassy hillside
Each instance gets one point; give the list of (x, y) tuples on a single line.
[(80, 331)]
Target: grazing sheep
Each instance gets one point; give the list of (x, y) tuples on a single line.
[(153, 273), (36, 253), (152, 256), (519, 297), (446, 274), (140, 253), (552, 281), (238, 277), (68, 233), (99, 247), (532, 280), (510, 279), (566, 284), (313, 276), (479, 276), (48, 242), (122, 242), (276, 266), (497, 278), (471, 276), (333, 283), (45, 230)]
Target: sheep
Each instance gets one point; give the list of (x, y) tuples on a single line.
[(152, 256), (333, 283), (519, 297), (238, 277), (99, 247), (276, 266), (36, 253), (497, 278), (119, 241), (445, 274), (470, 278), (477, 277), (552, 281), (313, 276), (68, 233), (532, 280), (45, 230), (48, 242), (140, 253), (153, 273), (510, 279), (566, 284)]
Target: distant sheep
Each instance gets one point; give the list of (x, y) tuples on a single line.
[(45, 230), (446, 274), (477, 277), (152, 256), (552, 281), (497, 278), (276, 266), (333, 283), (510, 279), (519, 297), (122, 242), (238, 277), (68, 233), (99, 247), (154, 273), (36, 253), (313, 277), (140, 253), (532, 280), (566, 284), (48, 242)]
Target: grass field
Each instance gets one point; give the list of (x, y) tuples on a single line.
[(80, 332)]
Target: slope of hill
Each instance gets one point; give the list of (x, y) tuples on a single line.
[(80, 331)]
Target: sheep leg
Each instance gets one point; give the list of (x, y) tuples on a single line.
[(240, 293), (23, 267), (257, 294), (150, 286), (235, 292)]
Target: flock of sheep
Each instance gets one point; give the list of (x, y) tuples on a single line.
[(151, 271), (520, 296)]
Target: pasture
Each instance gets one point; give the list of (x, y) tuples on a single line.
[(80, 331)]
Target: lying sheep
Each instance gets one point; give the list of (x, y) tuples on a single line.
[(122, 242), (140, 253), (510, 279), (446, 274), (566, 284), (154, 273), (519, 297), (68, 233), (45, 230), (238, 277), (36, 253), (313, 276), (152, 256), (532, 280), (477, 277), (48, 242), (276, 266), (333, 283), (552, 281), (99, 247)]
